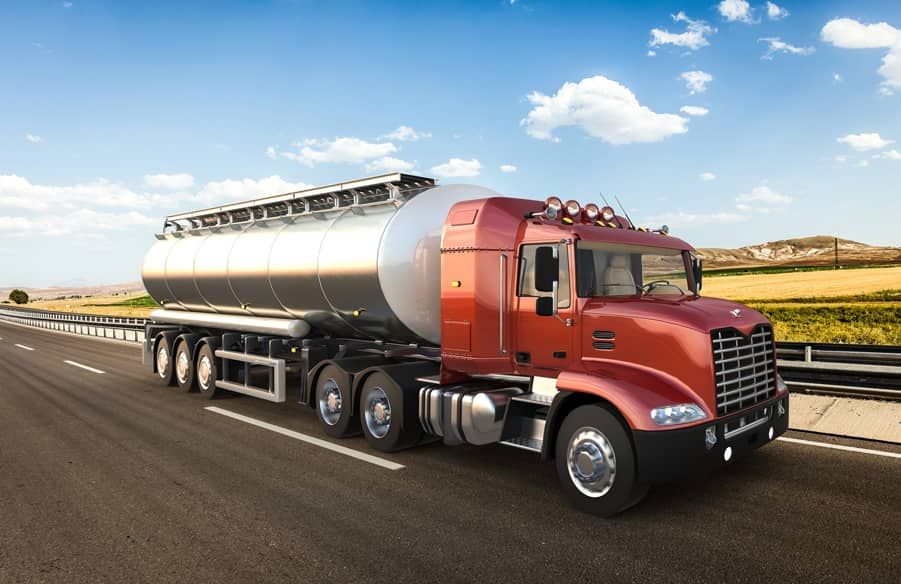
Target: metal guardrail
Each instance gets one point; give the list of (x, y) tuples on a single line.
[(844, 370), (108, 327)]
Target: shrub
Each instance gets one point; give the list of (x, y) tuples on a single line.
[(19, 296)]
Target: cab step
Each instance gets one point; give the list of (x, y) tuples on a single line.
[(521, 442), (538, 399)]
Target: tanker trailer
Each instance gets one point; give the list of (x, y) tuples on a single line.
[(410, 312)]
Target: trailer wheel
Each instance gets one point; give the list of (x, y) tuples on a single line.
[(596, 462), (382, 414), (334, 403), (206, 372), (164, 361), (184, 367)]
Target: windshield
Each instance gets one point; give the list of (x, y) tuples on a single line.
[(608, 269)]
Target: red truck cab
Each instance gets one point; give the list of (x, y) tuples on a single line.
[(646, 379)]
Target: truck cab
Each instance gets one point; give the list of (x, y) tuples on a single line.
[(608, 322)]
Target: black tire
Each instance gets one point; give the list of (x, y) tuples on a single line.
[(184, 367), (333, 402), (596, 432), (164, 361), (206, 372), (403, 430)]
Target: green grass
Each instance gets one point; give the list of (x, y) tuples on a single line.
[(864, 323), (721, 272), (139, 302)]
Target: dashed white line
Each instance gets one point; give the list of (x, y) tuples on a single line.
[(26, 347), (842, 447), (84, 367), (309, 439)]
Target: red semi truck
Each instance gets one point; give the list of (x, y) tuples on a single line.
[(411, 312)]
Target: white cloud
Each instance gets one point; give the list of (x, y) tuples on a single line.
[(776, 12), (340, 150), (406, 134), (736, 10), (763, 195), (33, 138), (694, 110), (604, 109), (862, 164), (169, 182), (837, 78), (389, 164), (67, 5), (696, 81), (889, 155), (707, 176), (776, 45), (865, 141), (847, 33), (680, 218), (83, 222), (18, 192), (229, 190), (652, 53), (508, 168), (694, 37), (841, 158), (457, 167)]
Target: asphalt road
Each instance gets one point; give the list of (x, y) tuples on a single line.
[(109, 477)]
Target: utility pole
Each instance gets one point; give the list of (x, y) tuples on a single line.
[(835, 266)]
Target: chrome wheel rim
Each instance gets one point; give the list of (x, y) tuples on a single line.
[(591, 462), (330, 402), (182, 365), (162, 361), (378, 412), (204, 372)]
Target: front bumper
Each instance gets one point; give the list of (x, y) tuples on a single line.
[(669, 455)]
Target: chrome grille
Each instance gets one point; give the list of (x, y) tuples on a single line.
[(744, 368)]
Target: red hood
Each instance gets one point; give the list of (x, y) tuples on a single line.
[(694, 312)]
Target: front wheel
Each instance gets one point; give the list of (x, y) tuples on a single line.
[(596, 462)]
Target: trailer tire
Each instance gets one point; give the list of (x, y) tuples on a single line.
[(164, 361), (383, 408), (333, 402), (184, 367), (596, 462), (206, 372)]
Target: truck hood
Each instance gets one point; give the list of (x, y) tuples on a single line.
[(694, 312)]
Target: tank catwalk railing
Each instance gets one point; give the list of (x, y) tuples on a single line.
[(108, 327)]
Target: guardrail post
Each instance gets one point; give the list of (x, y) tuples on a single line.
[(808, 353)]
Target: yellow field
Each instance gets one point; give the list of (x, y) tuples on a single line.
[(803, 284), (105, 305)]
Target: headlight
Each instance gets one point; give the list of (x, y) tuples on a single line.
[(678, 414), (607, 214)]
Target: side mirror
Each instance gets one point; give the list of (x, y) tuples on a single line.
[(698, 266), (544, 306), (547, 266)]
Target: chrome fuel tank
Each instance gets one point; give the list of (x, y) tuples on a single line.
[(367, 270)]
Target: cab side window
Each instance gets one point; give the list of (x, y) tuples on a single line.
[(526, 286)]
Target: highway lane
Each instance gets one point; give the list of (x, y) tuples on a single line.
[(110, 477)]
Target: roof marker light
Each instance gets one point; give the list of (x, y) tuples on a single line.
[(552, 207)]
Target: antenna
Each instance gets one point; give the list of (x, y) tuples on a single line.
[(603, 198), (624, 211)]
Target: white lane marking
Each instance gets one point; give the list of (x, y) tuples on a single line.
[(310, 439), (842, 447), (84, 367), (24, 347)]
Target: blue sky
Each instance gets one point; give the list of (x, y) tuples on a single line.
[(115, 114)]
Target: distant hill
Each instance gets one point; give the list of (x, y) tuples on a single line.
[(76, 289), (807, 251)]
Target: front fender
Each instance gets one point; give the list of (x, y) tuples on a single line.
[(633, 390)]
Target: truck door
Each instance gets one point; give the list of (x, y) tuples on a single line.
[(543, 342)]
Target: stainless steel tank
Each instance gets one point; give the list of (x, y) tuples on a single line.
[(363, 271)]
